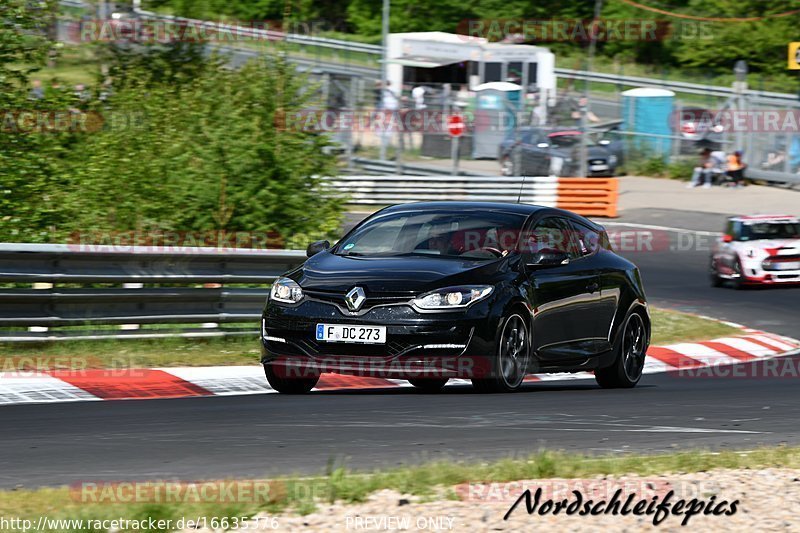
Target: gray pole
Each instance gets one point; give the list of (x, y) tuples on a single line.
[(740, 88), (454, 146), (385, 39), (584, 110)]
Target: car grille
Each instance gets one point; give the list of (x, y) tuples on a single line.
[(773, 263), (390, 349), (337, 298), (400, 338)]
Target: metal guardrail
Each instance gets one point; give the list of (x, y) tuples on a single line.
[(354, 46), (380, 167), (586, 196), (270, 35), (78, 4), (385, 190), (677, 86), (772, 176), (177, 298)]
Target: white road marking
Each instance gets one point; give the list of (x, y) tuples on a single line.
[(224, 380), (662, 228), (700, 352), (772, 342), (39, 388), (746, 346), (654, 366)]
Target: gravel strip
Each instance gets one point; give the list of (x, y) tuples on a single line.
[(766, 500)]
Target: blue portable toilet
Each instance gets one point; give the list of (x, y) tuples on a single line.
[(496, 107), (648, 110)]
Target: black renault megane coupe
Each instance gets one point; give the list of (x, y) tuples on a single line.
[(431, 291)]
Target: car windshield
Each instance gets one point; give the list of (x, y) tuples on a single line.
[(478, 235), (565, 141), (770, 230)]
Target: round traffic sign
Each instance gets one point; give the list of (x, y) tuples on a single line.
[(456, 126)]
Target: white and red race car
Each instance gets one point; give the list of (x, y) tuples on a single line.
[(757, 250)]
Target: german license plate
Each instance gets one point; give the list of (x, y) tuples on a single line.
[(789, 266), (596, 168), (355, 334)]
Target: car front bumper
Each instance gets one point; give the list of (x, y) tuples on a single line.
[(435, 344)]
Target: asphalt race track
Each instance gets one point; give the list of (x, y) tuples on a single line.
[(251, 436), (677, 277)]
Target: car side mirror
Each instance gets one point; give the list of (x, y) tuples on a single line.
[(316, 247), (727, 238), (548, 258)]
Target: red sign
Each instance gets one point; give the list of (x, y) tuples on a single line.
[(456, 126)]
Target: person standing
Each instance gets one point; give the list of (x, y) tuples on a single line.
[(418, 95)]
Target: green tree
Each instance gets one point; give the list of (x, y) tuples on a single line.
[(207, 155), (29, 189)]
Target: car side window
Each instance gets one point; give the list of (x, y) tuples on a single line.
[(550, 233), (585, 240)]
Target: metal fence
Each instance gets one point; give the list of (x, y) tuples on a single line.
[(97, 289), (348, 70)]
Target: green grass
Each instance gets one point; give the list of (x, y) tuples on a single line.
[(668, 327), (430, 481), (135, 353)]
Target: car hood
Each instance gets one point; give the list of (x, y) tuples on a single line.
[(772, 245), (597, 152), (400, 275), (593, 152)]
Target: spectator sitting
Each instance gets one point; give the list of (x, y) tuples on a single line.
[(719, 161), (703, 171), (736, 168)]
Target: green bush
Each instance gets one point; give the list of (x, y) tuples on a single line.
[(188, 145)]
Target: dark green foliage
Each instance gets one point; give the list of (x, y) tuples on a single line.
[(186, 145), (686, 43)]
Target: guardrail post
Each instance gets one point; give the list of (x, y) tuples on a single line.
[(40, 329), (131, 327)]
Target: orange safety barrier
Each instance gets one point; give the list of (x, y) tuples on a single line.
[(589, 196)]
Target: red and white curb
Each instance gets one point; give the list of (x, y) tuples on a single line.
[(183, 382)]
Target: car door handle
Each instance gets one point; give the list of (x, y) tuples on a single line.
[(593, 287)]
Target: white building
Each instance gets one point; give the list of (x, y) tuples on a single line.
[(445, 58)]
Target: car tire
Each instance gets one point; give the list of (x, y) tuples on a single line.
[(716, 281), (429, 384), (289, 385), (510, 364), (626, 371), (736, 282), (507, 167)]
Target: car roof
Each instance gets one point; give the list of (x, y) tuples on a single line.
[(521, 209), (764, 218)]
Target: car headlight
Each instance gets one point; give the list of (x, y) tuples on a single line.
[(612, 159), (286, 290), (453, 297)]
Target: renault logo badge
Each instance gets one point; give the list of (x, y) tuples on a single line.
[(355, 298)]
